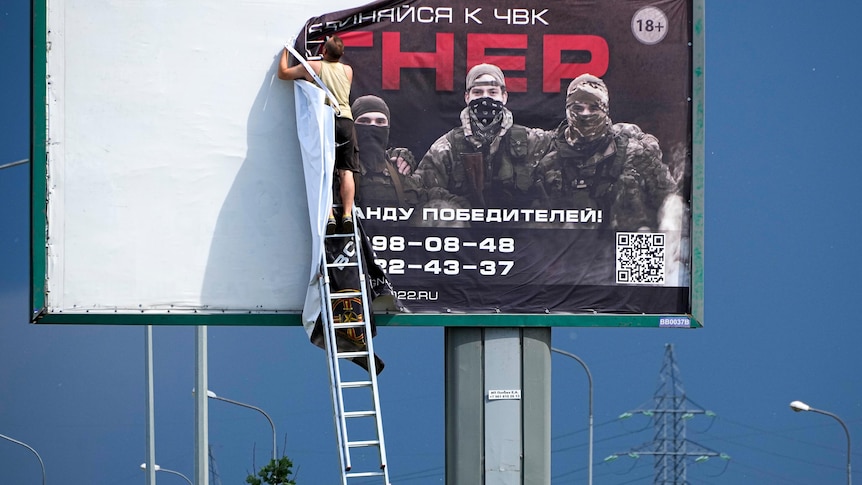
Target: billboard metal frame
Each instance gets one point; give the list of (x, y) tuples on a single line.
[(39, 196)]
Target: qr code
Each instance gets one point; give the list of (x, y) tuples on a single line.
[(640, 258)]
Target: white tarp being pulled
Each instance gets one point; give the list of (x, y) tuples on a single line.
[(315, 125)]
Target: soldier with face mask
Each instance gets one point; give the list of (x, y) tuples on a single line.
[(612, 167), (488, 160), (386, 174), (384, 179)]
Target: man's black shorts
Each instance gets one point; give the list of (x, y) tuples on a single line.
[(346, 151)]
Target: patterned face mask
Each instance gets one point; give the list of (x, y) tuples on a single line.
[(587, 122), (485, 110), (587, 127)]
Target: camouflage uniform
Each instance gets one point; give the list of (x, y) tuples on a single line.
[(621, 174), (596, 164), (501, 176)]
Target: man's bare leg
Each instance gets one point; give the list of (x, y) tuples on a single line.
[(348, 191)]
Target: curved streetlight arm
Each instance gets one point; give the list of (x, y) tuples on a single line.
[(25, 445), (801, 406), (13, 164), (590, 382), (846, 432), (213, 395), (160, 469), (175, 473)]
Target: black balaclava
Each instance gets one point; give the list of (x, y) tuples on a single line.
[(371, 139)]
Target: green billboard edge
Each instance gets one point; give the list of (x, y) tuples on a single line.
[(382, 319), (38, 152)]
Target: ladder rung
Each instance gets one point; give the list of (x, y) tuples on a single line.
[(346, 264), (360, 444), (355, 384), (359, 414), (363, 474), (345, 295), (348, 324), (348, 355)]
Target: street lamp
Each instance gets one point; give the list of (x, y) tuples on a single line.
[(212, 395), (590, 381), (801, 406), (160, 469), (25, 445)]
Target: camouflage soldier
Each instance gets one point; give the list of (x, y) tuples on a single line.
[(613, 167), (489, 160)]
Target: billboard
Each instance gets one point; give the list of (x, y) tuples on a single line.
[(171, 189)]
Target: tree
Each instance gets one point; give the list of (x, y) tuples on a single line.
[(277, 472)]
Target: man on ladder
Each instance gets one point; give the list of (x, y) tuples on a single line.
[(338, 77), (345, 321)]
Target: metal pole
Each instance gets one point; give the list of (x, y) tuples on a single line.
[(25, 445), (201, 410), (846, 432), (590, 381), (151, 420), (249, 406)]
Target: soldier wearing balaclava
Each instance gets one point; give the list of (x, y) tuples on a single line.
[(384, 179), (614, 168), (587, 111), (371, 117)]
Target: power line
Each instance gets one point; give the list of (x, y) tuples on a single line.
[(409, 476)]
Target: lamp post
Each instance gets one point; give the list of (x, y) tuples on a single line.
[(590, 381), (25, 445), (212, 395), (160, 469), (801, 406)]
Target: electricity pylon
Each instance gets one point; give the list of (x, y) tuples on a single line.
[(670, 447), (215, 479)]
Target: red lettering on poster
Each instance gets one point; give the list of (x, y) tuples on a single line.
[(358, 38), (478, 44), (441, 60), (554, 68)]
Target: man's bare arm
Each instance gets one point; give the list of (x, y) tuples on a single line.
[(296, 72)]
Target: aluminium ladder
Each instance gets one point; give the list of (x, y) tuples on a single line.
[(350, 395)]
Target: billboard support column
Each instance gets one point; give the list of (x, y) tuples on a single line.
[(498, 406), (201, 409), (150, 468)]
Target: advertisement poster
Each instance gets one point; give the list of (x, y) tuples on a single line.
[(558, 180)]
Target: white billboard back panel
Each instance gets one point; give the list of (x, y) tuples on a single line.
[(174, 181)]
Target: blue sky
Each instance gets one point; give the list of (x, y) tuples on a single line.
[(782, 193)]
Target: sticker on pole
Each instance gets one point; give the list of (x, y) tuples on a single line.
[(496, 395)]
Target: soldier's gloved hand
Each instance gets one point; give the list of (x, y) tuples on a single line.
[(403, 167), (403, 160)]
